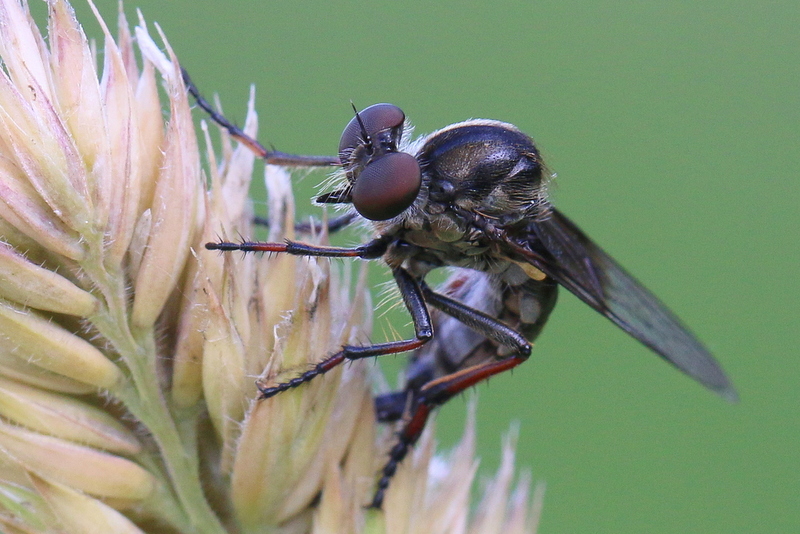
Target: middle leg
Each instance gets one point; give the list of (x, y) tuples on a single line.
[(412, 298)]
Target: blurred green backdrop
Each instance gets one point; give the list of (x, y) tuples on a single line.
[(674, 128)]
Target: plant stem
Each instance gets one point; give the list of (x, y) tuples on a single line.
[(145, 400)]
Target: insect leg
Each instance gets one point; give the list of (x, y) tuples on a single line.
[(411, 432), (478, 321), (440, 390), (368, 251), (412, 298), (431, 395), (390, 407), (272, 157)]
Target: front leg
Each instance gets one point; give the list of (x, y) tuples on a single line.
[(368, 251), (273, 157), (412, 298)]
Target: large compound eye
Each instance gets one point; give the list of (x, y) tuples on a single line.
[(387, 186), (376, 119)]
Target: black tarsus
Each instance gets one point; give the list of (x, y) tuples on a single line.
[(273, 157), (417, 403), (423, 332)]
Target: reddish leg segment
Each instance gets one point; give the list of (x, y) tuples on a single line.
[(431, 395), (273, 157), (412, 297)]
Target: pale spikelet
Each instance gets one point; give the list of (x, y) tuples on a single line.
[(64, 417), (129, 353), (431, 494), (77, 512), (174, 223), (502, 511), (100, 474), (31, 336), (26, 283), (317, 422)]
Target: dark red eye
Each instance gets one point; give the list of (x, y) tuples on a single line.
[(376, 119), (387, 186)]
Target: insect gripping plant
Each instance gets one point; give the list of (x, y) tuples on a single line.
[(128, 352), (471, 197)]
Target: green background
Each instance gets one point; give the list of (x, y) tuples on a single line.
[(674, 128)]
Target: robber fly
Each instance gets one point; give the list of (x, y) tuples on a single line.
[(471, 196)]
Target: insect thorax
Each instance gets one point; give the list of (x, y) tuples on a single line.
[(478, 169)]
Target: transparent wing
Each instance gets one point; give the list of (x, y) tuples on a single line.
[(582, 267)]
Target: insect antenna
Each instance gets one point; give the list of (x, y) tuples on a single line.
[(364, 133)]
